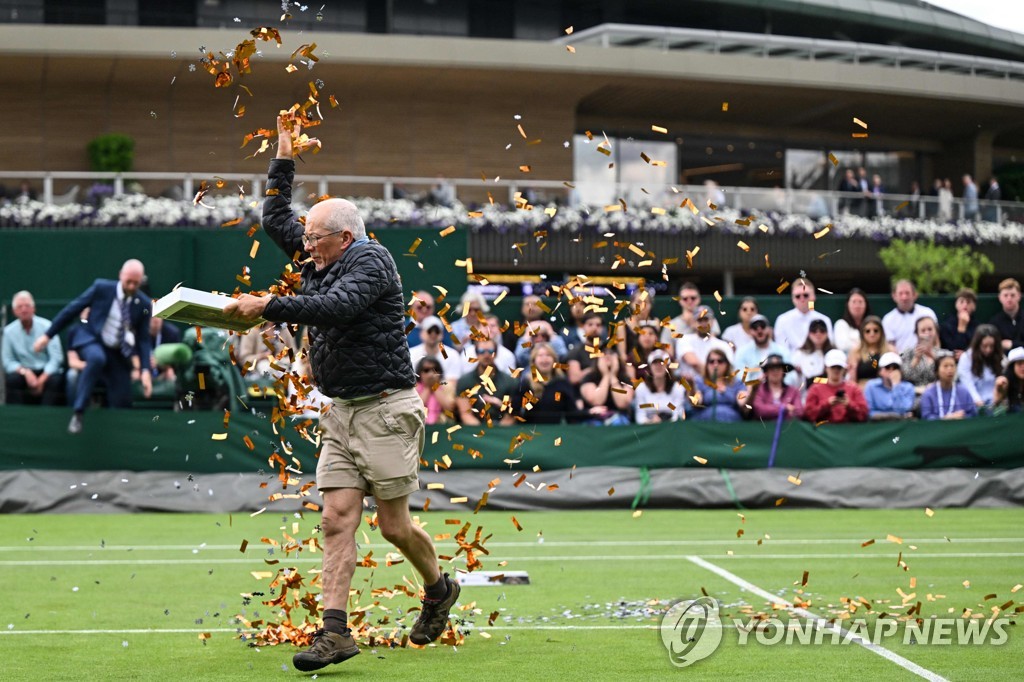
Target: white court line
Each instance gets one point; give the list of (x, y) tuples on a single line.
[(193, 631), (904, 663), (317, 558), (554, 543)]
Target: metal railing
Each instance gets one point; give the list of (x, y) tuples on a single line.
[(473, 191), (791, 47)]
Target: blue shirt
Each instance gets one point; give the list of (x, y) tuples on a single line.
[(17, 348), (898, 399), (936, 402)]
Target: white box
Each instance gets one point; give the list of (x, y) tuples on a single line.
[(199, 308)]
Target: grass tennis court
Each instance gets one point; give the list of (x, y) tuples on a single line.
[(128, 596)]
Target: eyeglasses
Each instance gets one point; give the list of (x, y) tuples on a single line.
[(313, 239), (485, 351)]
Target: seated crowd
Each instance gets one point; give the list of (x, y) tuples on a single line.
[(478, 369)]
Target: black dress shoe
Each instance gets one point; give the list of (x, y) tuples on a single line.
[(75, 425)]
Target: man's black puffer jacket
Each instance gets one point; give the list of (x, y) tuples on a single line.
[(354, 306)]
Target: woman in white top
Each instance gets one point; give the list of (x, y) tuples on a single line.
[(738, 335), (981, 364), (659, 397), (946, 201), (847, 329), (809, 359)]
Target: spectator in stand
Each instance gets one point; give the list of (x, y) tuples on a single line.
[(572, 332), (721, 397), (26, 193), (970, 198), (993, 193), (659, 397), (646, 342), (544, 395), (864, 184), (772, 395), (750, 357), (162, 332), (898, 323), (913, 208), (946, 201), (1009, 391), (957, 330), (809, 359), (472, 306), (581, 358), (254, 355), (846, 333), (431, 329), (919, 362), (484, 395), (686, 321), (889, 397), (877, 192), (437, 394), (116, 331), (1010, 320), (947, 399), (607, 392), (641, 310), (422, 306), (863, 360), (692, 350), (849, 190), (835, 400), (31, 376), (529, 311), (504, 359), (981, 364), (738, 335), (791, 327), (540, 331)]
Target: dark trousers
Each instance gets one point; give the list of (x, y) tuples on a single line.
[(110, 365), (18, 393)]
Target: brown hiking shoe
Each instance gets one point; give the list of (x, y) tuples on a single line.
[(328, 647), (434, 615)]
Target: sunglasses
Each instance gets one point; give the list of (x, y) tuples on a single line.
[(485, 351), (759, 325), (872, 330), (804, 295), (818, 330)]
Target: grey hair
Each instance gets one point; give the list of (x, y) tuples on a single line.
[(24, 293), (341, 214)]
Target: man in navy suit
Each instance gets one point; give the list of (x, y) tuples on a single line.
[(116, 331)]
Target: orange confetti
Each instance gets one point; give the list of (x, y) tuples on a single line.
[(515, 523)]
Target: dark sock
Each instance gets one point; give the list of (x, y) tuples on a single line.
[(438, 590), (336, 621)]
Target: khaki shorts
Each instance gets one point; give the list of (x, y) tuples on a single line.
[(373, 445)]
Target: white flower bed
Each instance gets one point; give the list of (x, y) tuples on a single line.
[(140, 211)]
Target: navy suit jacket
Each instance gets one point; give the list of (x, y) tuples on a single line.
[(99, 298)]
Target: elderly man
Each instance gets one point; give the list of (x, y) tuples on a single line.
[(113, 336), (31, 376), (899, 323), (791, 327), (374, 432)]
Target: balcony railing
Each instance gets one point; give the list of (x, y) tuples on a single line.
[(64, 187), (791, 47)]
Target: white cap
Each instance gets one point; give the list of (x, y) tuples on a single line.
[(890, 358), (430, 322), (658, 354), (835, 358), (1015, 355)]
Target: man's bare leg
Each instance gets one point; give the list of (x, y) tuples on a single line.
[(398, 528), (343, 508)]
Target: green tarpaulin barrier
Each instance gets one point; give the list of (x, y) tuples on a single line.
[(145, 440)]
